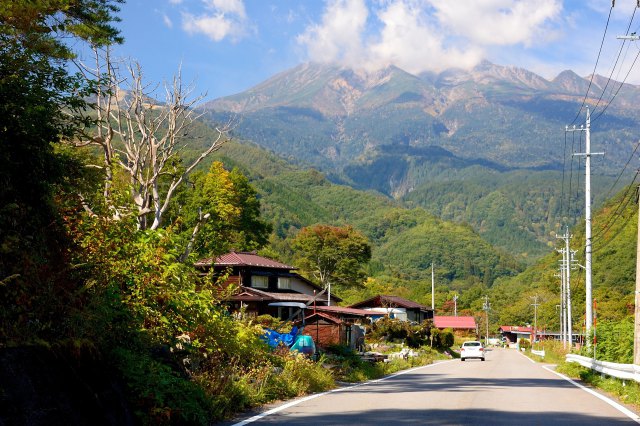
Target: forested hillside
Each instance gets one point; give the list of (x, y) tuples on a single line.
[(405, 241), (614, 260), (423, 138)]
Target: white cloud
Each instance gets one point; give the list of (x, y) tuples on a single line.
[(409, 40), (222, 19), (167, 21), (338, 36), (497, 22), (421, 35), (235, 7)]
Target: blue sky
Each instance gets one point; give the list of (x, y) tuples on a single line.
[(228, 46)]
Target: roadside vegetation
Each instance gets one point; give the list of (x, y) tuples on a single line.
[(97, 251), (615, 344)]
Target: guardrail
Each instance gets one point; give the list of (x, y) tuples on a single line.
[(539, 353), (621, 371)]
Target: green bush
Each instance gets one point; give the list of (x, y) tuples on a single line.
[(614, 341), (442, 338), (390, 328), (524, 344), (161, 395)]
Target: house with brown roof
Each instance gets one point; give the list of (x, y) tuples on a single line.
[(265, 286), (337, 325), (459, 325), (396, 307)]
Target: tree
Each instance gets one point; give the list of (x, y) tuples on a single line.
[(142, 138), (333, 255), (223, 210), (40, 106)]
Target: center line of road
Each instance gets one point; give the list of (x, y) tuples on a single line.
[(310, 397), (633, 416)]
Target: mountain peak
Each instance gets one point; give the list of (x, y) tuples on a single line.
[(570, 82)]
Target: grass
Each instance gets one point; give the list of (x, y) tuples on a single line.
[(346, 365), (627, 391)]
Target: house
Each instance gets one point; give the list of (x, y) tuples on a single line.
[(460, 325), (512, 333), (396, 307), (265, 286), (337, 325)]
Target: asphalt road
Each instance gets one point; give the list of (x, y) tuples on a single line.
[(506, 389)]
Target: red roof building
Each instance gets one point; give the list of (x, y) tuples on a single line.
[(242, 259), (455, 323)]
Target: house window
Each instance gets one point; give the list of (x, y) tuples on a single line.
[(284, 283), (259, 281)]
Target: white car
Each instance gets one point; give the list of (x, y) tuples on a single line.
[(472, 349)]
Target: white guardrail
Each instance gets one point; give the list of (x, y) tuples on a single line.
[(539, 353), (621, 371)]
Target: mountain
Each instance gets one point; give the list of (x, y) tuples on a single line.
[(413, 136), (405, 240)]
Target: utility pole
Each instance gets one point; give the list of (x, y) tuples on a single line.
[(455, 305), (486, 306), (561, 307), (535, 305), (563, 298), (433, 290), (587, 214), (567, 264)]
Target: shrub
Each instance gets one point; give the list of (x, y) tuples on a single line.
[(389, 328), (524, 344)]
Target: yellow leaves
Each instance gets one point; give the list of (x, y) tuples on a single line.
[(221, 192)]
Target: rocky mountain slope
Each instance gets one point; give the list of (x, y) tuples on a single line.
[(413, 136)]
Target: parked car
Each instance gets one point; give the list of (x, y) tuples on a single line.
[(472, 349)]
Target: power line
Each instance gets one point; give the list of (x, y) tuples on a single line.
[(622, 205), (616, 63), (596, 65), (573, 138), (622, 172), (619, 87)]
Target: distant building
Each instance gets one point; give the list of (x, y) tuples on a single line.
[(265, 286), (459, 325), (396, 307)]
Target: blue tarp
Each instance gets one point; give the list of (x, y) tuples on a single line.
[(273, 338)]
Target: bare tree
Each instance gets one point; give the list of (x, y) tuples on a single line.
[(143, 137)]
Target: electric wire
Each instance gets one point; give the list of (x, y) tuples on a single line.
[(618, 90), (604, 90), (581, 151), (610, 190), (573, 137), (564, 166), (624, 225), (618, 210), (595, 66)]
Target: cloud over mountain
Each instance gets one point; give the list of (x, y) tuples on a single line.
[(424, 35)]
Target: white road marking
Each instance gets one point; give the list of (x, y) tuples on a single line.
[(526, 357), (633, 416), (310, 397)]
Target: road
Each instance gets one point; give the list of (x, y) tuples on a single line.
[(506, 389)]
